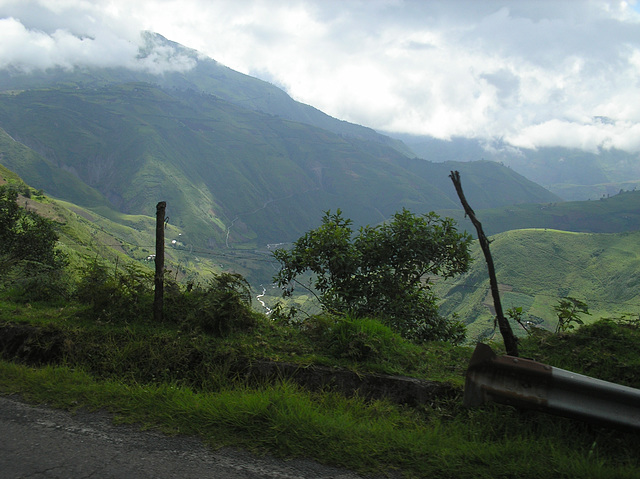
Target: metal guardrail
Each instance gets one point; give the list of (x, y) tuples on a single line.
[(529, 384)]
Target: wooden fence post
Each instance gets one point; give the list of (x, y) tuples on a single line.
[(158, 298)]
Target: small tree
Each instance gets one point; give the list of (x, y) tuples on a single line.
[(24, 235), (568, 309), (30, 265), (381, 271)]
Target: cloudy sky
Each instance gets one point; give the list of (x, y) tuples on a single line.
[(530, 73)]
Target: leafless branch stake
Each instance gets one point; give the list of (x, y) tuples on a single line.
[(510, 342), (158, 298)]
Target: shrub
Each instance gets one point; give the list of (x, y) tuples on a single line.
[(26, 236), (220, 308), (121, 296), (352, 338), (29, 281)]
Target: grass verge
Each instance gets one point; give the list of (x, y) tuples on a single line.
[(441, 440)]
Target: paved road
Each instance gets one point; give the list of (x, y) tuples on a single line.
[(37, 442)]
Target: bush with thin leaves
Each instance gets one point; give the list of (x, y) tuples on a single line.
[(124, 295)]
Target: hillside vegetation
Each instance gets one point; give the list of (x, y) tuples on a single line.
[(198, 370), (537, 267), (231, 177), (615, 214)]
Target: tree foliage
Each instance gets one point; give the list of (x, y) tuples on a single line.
[(381, 271), (24, 235), (31, 267)]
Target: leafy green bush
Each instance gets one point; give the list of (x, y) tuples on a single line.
[(220, 308), (31, 268), (26, 236), (352, 338), (381, 271), (122, 296), (568, 309), (359, 339)]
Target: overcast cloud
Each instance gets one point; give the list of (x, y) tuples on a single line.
[(529, 73)]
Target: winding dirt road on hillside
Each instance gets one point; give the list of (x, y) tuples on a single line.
[(37, 442)]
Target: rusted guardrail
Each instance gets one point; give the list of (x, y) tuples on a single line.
[(529, 384)]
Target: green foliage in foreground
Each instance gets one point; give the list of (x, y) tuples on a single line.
[(187, 354), (30, 263), (25, 235), (380, 271), (607, 349)]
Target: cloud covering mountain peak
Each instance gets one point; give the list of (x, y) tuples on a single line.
[(25, 49), (527, 73)]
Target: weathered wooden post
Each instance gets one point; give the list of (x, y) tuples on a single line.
[(510, 341), (158, 298)]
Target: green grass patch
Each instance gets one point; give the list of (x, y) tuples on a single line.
[(146, 352)]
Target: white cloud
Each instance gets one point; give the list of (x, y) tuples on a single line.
[(530, 72), (39, 35), (591, 136)]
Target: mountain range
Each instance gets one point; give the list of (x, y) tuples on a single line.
[(239, 163)]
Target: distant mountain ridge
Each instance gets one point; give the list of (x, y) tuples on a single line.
[(572, 174), (615, 214)]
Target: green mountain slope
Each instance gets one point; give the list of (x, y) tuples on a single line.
[(86, 236), (205, 76), (535, 268), (43, 174), (232, 177)]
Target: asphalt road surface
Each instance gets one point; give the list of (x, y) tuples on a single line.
[(37, 442)]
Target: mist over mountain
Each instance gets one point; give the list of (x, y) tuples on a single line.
[(572, 174), (238, 161)]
